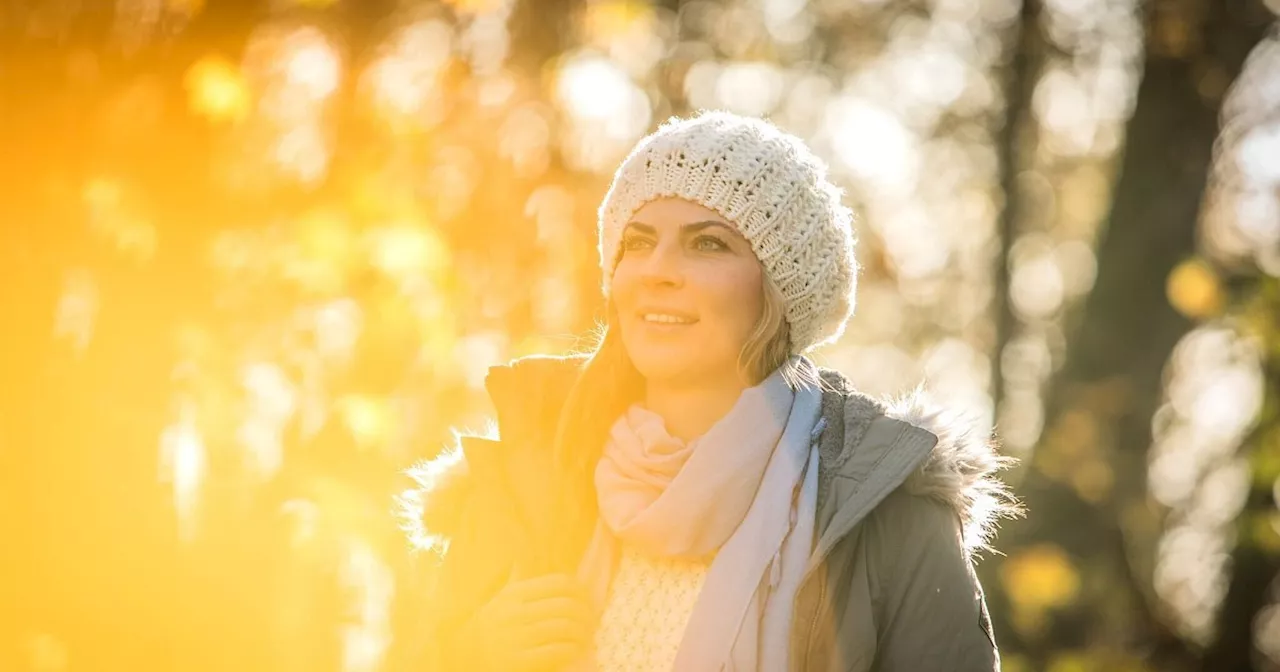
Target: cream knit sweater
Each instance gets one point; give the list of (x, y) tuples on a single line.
[(649, 603)]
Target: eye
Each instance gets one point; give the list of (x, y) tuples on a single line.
[(633, 243), (709, 244)]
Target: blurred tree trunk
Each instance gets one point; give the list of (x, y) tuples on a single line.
[(1025, 43), (1019, 121), (541, 30), (1087, 478)]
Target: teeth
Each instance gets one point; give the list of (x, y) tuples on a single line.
[(665, 319)]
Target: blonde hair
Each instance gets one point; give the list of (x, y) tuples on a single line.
[(606, 386)]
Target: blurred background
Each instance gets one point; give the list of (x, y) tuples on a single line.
[(256, 256)]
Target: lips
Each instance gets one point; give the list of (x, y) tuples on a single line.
[(659, 315)]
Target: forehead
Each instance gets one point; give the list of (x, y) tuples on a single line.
[(674, 213)]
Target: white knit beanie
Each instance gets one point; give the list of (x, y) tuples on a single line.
[(769, 185)]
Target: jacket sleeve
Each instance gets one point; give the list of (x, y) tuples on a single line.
[(933, 614)]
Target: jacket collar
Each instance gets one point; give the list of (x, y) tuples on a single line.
[(871, 448)]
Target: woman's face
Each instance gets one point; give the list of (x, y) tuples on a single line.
[(688, 291)]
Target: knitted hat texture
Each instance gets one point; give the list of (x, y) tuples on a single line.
[(770, 186)]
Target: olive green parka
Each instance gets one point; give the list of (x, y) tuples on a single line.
[(907, 493)]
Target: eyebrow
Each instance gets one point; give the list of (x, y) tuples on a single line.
[(685, 229)]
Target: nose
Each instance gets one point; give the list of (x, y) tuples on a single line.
[(663, 267)]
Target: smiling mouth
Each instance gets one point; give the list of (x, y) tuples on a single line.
[(667, 319)]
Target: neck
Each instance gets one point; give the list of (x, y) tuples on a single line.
[(688, 411)]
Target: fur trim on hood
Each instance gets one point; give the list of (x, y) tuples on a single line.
[(431, 512), (960, 472)]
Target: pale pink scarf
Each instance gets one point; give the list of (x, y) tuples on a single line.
[(670, 498), (676, 499)]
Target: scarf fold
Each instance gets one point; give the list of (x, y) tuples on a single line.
[(740, 491)]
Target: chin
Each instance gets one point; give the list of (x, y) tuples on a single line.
[(662, 369), (670, 364)]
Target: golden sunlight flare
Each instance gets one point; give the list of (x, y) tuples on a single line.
[(404, 83), (293, 286), (369, 419), (593, 88), (216, 90), (182, 453), (407, 249), (311, 64), (370, 585)]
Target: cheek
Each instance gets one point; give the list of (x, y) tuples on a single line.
[(622, 285), (737, 299)]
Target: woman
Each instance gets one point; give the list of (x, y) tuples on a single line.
[(695, 494)]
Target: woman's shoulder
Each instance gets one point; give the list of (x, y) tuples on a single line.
[(526, 395), (957, 460), (532, 381), (960, 477)]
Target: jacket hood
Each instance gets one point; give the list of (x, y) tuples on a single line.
[(960, 471), (430, 512)]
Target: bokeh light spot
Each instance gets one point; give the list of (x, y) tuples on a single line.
[(1193, 289), (216, 90)]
